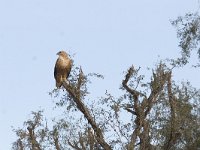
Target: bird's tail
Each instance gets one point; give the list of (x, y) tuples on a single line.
[(58, 84)]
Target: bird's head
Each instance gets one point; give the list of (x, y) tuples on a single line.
[(62, 53)]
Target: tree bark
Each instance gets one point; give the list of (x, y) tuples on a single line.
[(142, 109)]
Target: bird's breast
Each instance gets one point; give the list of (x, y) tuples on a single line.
[(63, 62)]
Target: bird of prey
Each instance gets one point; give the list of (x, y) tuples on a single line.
[(62, 68)]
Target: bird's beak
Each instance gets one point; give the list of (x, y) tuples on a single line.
[(57, 53)]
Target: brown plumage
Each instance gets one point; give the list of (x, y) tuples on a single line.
[(62, 68)]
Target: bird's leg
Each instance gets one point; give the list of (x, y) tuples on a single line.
[(66, 81)]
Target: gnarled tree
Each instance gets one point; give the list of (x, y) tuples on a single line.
[(150, 114)]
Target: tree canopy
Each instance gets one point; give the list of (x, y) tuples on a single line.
[(155, 113)]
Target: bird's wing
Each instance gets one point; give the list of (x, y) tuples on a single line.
[(69, 69), (55, 70)]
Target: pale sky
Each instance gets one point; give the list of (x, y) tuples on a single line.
[(106, 36)]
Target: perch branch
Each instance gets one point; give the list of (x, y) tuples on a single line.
[(81, 106)]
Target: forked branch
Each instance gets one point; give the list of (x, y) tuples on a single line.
[(143, 104)]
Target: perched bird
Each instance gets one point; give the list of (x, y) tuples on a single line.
[(62, 68)]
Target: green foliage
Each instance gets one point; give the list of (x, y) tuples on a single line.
[(188, 31)]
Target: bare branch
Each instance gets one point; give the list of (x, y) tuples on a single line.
[(81, 106)]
